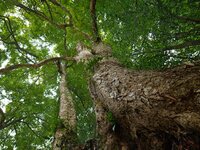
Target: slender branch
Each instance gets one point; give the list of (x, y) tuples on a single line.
[(188, 19), (37, 65), (193, 31), (72, 25), (65, 41), (85, 35), (179, 46), (94, 20), (44, 17), (9, 120), (64, 9), (11, 33), (27, 124), (162, 6), (7, 124), (183, 45), (49, 9), (59, 26)]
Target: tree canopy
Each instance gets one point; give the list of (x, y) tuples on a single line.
[(35, 34)]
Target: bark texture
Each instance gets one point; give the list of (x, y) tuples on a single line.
[(150, 109), (65, 136)]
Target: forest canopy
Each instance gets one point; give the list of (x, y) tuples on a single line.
[(143, 34)]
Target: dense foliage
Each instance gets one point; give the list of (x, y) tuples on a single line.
[(147, 34)]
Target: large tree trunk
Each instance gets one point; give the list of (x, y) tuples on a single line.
[(147, 109)]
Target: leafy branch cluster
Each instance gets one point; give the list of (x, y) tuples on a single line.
[(38, 34)]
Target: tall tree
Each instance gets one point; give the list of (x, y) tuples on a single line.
[(53, 52)]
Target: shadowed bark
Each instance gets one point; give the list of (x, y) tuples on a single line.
[(151, 109)]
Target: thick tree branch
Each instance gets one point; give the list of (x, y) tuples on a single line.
[(17, 66), (94, 20)]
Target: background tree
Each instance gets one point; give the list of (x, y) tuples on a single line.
[(35, 35)]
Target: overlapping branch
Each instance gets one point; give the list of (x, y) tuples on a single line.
[(12, 34), (12, 122), (64, 9), (34, 66), (43, 16), (94, 20), (57, 25), (183, 45), (194, 20)]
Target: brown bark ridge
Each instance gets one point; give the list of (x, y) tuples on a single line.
[(65, 136), (151, 110)]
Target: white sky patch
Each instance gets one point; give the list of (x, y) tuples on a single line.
[(150, 36), (17, 14), (12, 133), (195, 53), (4, 99), (91, 109), (4, 64), (41, 43), (172, 52), (120, 25), (3, 48), (51, 93), (52, 51), (34, 79)]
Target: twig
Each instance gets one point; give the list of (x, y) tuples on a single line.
[(41, 15), (10, 30), (64, 9)]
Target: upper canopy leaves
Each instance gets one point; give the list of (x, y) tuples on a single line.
[(142, 33)]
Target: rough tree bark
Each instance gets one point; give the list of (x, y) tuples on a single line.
[(151, 109), (65, 136)]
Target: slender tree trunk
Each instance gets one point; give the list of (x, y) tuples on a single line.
[(65, 136), (147, 109)]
